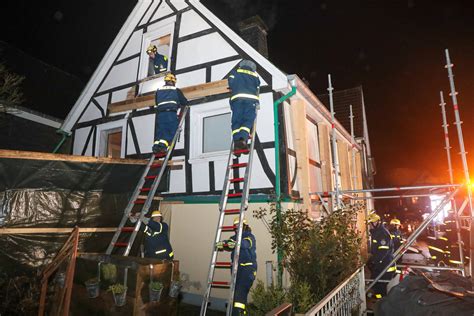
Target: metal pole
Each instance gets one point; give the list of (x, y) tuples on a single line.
[(354, 175), (429, 267), (410, 240), (335, 160), (419, 187), (390, 197), (451, 177), (458, 122)]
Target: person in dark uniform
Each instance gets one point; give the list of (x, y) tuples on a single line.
[(244, 85), (247, 269), (160, 62), (157, 243), (381, 254), (169, 99), (396, 233)]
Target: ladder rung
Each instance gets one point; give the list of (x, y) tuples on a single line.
[(128, 229), (239, 165), (157, 165), (155, 198), (223, 264), (232, 211), (139, 201), (228, 228), (241, 151), (121, 244), (220, 283), (150, 177), (236, 180), (233, 195), (145, 189)]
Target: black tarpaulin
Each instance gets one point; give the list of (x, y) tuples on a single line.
[(41, 193)]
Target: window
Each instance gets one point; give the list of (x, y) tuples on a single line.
[(163, 48), (216, 133)]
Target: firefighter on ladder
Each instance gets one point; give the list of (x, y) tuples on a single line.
[(169, 99), (381, 251), (244, 85), (160, 62), (247, 268)]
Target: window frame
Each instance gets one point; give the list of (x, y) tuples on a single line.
[(197, 116), (102, 141)]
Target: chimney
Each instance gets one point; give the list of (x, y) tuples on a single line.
[(254, 31)]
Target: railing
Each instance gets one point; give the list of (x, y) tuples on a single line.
[(348, 298)]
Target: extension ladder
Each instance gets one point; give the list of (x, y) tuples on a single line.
[(233, 166), (144, 194)]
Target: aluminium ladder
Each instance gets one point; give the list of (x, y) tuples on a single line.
[(234, 166), (144, 193)]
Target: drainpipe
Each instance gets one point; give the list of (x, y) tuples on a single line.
[(63, 139), (276, 124)]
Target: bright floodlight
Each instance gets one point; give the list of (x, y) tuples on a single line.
[(435, 202)]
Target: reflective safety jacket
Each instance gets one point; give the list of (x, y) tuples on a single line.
[(244, 84), (248, 250), (160, 63), (397, 238), (169, 98), (156, 240), (381, 247)]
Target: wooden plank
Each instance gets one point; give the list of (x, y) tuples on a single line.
[(52, 230), (33, 155), (191, 92)]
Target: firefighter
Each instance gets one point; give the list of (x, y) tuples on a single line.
[(381, 251), (247, 268), (157, 243), (396, 233), (244, 85), (169, 99), (160, 62)]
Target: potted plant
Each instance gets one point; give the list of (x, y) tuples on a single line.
[(155, 290), (119, 292), (92, 286)]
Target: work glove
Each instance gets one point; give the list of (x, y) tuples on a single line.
[(230, 244), (220, 245)]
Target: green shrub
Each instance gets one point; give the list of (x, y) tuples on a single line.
[(156, 285), (301, 296), (109, 272), (265, 299), (117, 288)]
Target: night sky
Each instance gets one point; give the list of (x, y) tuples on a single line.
[(395, 49)]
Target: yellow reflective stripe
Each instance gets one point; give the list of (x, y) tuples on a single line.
[(383, 247), (435, 249), (239, 305), (162, 141), (231, 76), (235, 131), (171, 254), (166, 102), (443, 238), (393, 236), (246, 264), (167, 88), (243, 128), (374, 241), (244, 95), (250, 240), (146, 231), (160, 251), (165, 58), (391, 269), (156, 142), (378, 295), (433, 257), (247, 72)]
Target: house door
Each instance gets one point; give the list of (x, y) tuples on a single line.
[(112, 143)]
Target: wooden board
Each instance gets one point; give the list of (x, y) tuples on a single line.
[(33, 155), (52, 230), (191, 92)]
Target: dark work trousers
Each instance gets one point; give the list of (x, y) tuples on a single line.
[(244, 281), (375, 269), (166, 124), (243, 116)]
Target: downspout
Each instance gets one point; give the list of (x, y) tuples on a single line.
[(276, 125), (63, 139)]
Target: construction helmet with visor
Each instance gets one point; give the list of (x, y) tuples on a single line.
[(373, 217), (170, 77), (395, 221), (156, 213), (237, 220), (151, 49)]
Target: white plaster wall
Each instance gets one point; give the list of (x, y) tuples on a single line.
[(80, 138), (91, 113), (202, 49), (121, 74), (148, 13), (133, 45), (201, 177), (219, 71), (265, 127), (191, 78), (179, 4), (163, 10), (144, 128), (178, 178), (120, 95), (192, 235), (192, 23)]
